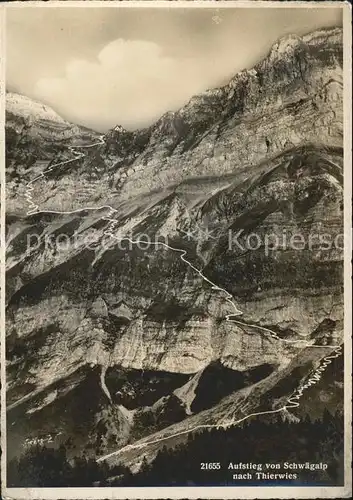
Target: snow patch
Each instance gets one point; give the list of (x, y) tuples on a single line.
[(46, 401), (127, 414), (187, 393), (28, 108)]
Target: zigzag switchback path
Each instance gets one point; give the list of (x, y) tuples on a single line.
[(292, 401)]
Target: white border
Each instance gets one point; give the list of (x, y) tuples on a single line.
[(177, 4), (197, 492), (2, 243)]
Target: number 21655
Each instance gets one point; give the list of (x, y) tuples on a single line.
[(210, 465)]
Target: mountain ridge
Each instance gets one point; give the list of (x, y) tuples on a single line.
[(127, 156), (271, 163)]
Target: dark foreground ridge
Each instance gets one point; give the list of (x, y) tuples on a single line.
[(321, 441)]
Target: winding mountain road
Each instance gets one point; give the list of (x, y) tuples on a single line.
[(292, 401)]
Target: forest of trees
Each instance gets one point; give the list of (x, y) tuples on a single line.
[(49, 467), (257, 441)]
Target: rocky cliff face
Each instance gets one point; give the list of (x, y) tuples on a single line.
[(123, 286), (36, 138)]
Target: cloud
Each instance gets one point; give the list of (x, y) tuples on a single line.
[(131, 83)]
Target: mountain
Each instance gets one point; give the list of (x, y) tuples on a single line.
[(158, 291), (36, 137)]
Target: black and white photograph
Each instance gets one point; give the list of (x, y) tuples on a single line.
[(175, 217)]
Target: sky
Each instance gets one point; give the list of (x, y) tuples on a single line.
[(101, 67)]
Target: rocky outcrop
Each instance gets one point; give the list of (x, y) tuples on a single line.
[(189, 222), (36, 138)]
